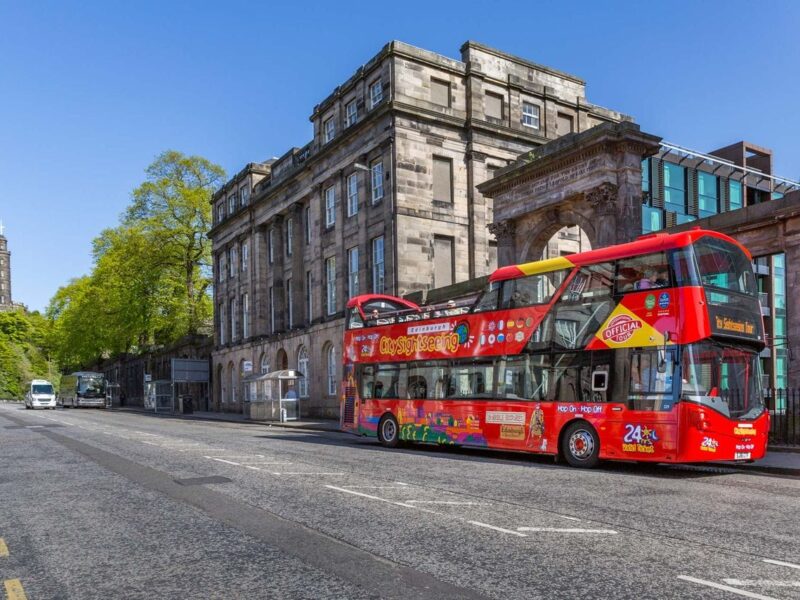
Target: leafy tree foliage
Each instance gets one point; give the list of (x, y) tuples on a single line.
[(151, 277), (24, 351)]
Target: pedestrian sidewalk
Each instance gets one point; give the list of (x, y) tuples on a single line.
[(785, 461), (312, 424)]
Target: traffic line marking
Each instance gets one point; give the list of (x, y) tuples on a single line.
[(303, 473), (3, 548), (725, 588), (453, 502), (252, 468), (495, 528), (370, 496), (236, 456), (266, 463), (762, 582), (566, 530), (781, 563), (14, 590), (570, 518), (229, 462), (375, 487)]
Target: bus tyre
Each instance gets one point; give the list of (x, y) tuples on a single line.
[(580, 446), (388, 431)]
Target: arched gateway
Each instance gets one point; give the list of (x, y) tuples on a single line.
[(591, 179)]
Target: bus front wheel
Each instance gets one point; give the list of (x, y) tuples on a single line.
[(388, 431), (580, 445)]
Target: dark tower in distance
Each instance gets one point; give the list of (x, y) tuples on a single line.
[(5, 272)]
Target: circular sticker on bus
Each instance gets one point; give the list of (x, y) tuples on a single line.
[(519, 336), (520, 323), (491, 339), (501, 337), (528, 322), (650, 302), (500, 325)]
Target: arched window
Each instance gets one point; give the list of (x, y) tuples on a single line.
[(302, 366), (332, 369), (264, 364), (232, 383)]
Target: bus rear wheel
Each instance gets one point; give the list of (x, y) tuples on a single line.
[(580, 445), (388, 431)]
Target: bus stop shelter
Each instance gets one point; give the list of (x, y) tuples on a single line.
[(272, 396), (185, 390)]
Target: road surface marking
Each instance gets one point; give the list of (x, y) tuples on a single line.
[(370, 496), (236, 456), (375, 487), (762, 582), (401, 483), (495, 528), (725, 588), (453, 502), (229, 462), (570, 518), (266, 463), (303, 473), (566, 530), (781, 563), (3, 548), (252, 468), (14, 590)]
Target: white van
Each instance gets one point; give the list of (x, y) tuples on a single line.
[(40, 395)]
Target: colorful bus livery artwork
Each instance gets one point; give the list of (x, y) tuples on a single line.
[(641, 351)]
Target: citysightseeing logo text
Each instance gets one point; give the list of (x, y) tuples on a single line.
[(621, 328), (411, 345)]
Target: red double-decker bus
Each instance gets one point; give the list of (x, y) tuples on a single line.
[(645, 351)]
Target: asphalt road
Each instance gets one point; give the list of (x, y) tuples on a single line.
[(97, 504)]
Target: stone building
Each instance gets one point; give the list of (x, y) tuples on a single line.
[(5, 272), (383, 199), (616, 183)]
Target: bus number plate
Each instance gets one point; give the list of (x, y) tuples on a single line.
[(741, 455)]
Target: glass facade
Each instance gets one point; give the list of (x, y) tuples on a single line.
[(771, 274), (707, 194), (674, 188)]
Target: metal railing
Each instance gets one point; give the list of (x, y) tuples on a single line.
[(784, 410)]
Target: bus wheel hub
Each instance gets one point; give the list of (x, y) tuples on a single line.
[(581, 444)]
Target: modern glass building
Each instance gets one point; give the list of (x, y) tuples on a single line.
[(680, 185)]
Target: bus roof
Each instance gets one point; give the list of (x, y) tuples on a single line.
[(644, 244)]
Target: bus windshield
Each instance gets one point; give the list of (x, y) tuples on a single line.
[(723, 266), (725, 378), (41, 388), (91, 386)]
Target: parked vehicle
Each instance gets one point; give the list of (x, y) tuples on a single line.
[(40, 394), (83, 388)]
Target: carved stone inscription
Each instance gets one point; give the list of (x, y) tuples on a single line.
[(561, 178)]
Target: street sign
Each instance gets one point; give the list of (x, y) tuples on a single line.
[(148, 378), (189, 370)]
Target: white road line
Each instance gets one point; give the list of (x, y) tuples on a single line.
[(453, 502), (725, 588), (146, 442), (236, 456), (570, 518), (566, 530), (762, 582), (302, 473), (369, 496), (401, 483), (495, 528), (266, 463), (781, 563), (229, 462), (252, 468), (374, 487)]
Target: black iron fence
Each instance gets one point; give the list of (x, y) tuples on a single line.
[(784, 410)]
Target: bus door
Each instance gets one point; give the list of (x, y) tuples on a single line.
[(643, 423)]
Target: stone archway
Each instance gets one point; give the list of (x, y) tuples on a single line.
[(282, 360), (591, 179)]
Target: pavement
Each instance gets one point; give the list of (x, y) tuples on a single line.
[(785, 460)]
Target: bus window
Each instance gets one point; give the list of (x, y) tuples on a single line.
[(366, 377), (531, 290), (643, 272), (540, 377), (470, 380), (683, 267), (651, 380), (584, 306), (488, 301), (390, 381), (724, 266), (428, 379)]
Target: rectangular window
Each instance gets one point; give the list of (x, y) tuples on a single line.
[(352, 272), (646, 175), (289, 235), (289, 303), (244, 196), (245, 316), (652, 219), (564, 124), (378, 266), (375, 94), (330, 129), (530, 115), (650, 386), (308, 225), (330, 284), (330, 206), (309, 298), (221, 267), (245, 256), (674, 188), (351, 113), (443, 261), (352, 194), (222, 322), (707, 194), (271, 245), (232, 261), (272, 309), (735, 191), (442, 179), (233, 309), (376, 170), (231, 204), (440, 92), (221, 212), (493, 105)]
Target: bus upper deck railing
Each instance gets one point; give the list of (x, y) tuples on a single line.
[(425, 313)]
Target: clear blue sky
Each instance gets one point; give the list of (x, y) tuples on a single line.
[(91, 92)]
